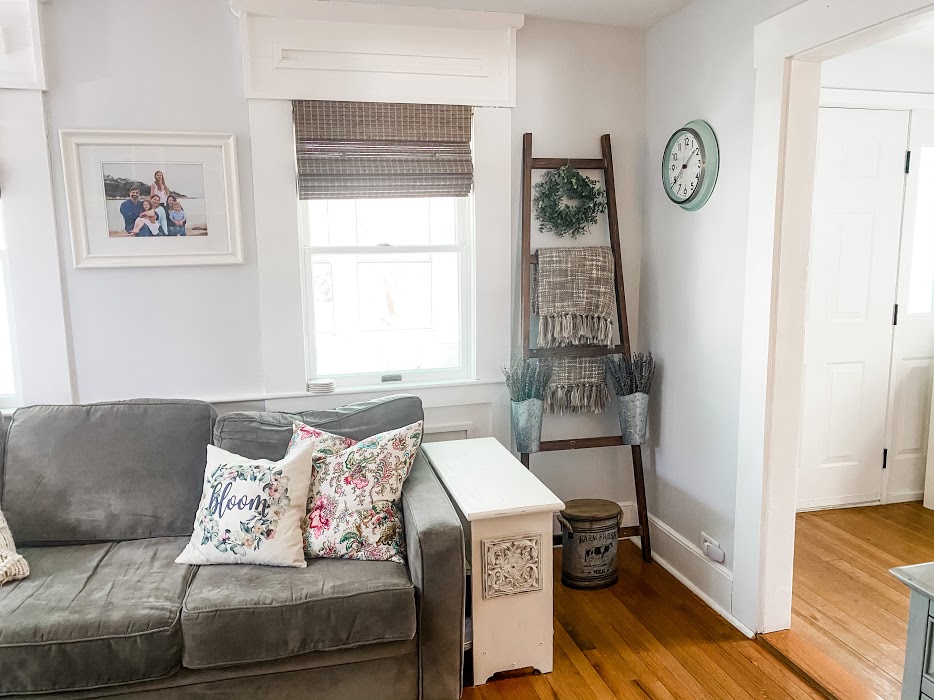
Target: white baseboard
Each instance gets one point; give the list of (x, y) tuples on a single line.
[(630, 514), (858, 501), (708, 580), (833, 503), (904, 497)]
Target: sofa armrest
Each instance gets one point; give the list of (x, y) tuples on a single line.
[(435, 543)]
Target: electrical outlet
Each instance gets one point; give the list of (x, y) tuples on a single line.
[(711, 548)]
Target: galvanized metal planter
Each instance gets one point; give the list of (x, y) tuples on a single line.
[(633, 417), (527, 424), (589, 539)]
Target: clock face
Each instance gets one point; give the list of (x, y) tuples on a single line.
[(685, 171), (690, 165)]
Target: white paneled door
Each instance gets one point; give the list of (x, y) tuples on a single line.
[(913, 347), (852, 279)]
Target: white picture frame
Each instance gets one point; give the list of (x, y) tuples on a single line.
[(97, 164)]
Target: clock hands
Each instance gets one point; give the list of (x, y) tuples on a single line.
[(684, 166)]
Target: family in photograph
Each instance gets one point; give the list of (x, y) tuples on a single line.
[(158, 214)]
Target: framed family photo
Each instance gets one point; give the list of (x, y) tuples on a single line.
[(152, 199)]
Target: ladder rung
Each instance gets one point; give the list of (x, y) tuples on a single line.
[(576, 351), (579, 163), (630, 531), (581, 443)]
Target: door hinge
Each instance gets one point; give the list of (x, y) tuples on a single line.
[(907, 162), (885, 458), (895, 315)]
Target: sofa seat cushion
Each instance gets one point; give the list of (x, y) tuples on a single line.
[(93, 615), (243, 614)]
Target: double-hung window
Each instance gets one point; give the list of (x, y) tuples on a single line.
[(386, 212)]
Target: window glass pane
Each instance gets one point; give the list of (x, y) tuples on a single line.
[(323, 295), (393, 221), (443, 213), (378, 222), (317, 220), (921, 281), (391, 313)]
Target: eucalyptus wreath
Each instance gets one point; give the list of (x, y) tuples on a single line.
[(567, 202)]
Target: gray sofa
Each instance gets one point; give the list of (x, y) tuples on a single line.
[(101, 499)]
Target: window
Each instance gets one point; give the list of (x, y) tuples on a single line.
[(9, 391), (921, 279), (387, 224)]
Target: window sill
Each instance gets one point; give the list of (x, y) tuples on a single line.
[(392, 386), (349, 391)]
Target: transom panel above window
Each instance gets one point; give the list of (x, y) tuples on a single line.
[(386, 212)]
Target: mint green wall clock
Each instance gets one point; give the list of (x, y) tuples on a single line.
[(690, 165)]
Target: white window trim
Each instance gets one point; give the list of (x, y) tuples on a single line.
[(294, 49), (484, 34), (16, 398), (36, 287), (280, 244), (465, 248)]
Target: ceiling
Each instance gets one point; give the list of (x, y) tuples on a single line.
[(627, 13), (918, 39)]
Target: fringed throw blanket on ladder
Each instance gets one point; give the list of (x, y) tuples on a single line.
[(575, 299), (578, 385)]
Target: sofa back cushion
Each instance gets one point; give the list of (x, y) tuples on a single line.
[(103, 472), (266, 435)]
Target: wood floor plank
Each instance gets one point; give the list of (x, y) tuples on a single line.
[(861, 608), (582, 665), (860, 639), (849, 615), (649, 638), (814, 662), (857, 666), (863, 601), (619, 683), (657, 680), (760, 673), (880, 532)]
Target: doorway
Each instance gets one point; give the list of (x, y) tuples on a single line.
[(788, 52), (850, 388), (869, 327)]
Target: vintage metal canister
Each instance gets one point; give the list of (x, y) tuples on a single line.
[(589, 537)]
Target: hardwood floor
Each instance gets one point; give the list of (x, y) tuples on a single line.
[(849, 616), (647, 637)]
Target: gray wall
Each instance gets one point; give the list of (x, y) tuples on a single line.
[(154, 331), (699, 66), (566, 97)]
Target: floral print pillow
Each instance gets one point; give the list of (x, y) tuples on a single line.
[(326, 443), (251, 510), (353, 503)]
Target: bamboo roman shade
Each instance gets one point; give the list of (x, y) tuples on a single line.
[(355, 150)]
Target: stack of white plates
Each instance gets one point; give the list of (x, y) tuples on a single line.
[(321, 386)]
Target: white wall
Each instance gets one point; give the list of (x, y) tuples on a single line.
[(902, 64), (195, 332), (39, 328), (191, 332), (699, 66), (576, 82)]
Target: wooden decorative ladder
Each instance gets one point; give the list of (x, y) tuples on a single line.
[(528, 259)]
